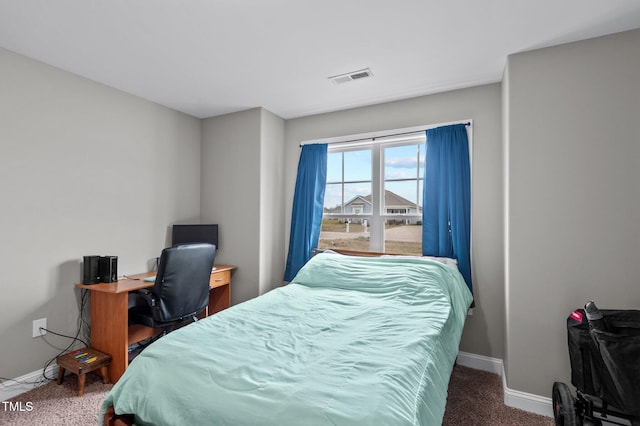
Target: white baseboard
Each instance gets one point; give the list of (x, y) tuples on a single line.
[(22, 384), (480, 362), (512, 398), (527, 401)]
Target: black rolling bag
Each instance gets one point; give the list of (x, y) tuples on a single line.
[(605, 370)]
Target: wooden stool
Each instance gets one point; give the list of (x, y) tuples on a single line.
[(81, 362)]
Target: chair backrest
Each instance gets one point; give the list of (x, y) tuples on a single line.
[(182, 282)]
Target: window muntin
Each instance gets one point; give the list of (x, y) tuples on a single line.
[(373, 198), (347, 210), (403, 173), (346, 183)]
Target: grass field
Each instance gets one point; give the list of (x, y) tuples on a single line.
[(332, 227), (339, 225), (362, 244)]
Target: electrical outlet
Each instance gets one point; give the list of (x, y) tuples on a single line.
[(42, 322)]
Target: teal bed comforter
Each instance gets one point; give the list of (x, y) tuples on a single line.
[(350, 341)]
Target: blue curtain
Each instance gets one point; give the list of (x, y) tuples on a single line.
[(446, 213), (308, 201)]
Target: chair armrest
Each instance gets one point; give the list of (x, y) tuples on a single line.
[(147, 295)]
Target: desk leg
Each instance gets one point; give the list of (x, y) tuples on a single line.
[(109, 329)]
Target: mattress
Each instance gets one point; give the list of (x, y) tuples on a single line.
[(350, 341)]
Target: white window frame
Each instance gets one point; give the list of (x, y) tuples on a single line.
[(378, 215)]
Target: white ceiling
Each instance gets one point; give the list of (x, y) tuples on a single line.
[(211, 57)]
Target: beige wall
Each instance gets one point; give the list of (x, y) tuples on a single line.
[(242, 180), (84, 169), (573, 196), (484, 333), (231, 194), (272, 201)]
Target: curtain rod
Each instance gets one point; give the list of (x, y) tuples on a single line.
[(385, 136)]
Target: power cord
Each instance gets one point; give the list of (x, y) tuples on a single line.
[(82, 322), (74, 339)]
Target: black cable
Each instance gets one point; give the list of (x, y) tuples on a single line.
[(62, 352), (81, 321), (48, 364), (74, 339)]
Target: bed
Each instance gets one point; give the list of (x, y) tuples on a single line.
[(350, 341)]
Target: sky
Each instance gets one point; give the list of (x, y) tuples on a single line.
[(400, 162)]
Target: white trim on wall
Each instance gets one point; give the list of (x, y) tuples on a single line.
[(526, 401), (480, 362), (512, 398), (22, 384)]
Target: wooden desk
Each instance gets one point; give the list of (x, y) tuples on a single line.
[(110, 330)]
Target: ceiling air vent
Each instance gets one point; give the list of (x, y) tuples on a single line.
[(351, 76)]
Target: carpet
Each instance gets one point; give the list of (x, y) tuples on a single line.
[(475, 398)]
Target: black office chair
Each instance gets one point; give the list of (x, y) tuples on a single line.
[(181, 289)]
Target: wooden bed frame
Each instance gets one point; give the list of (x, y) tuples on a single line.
[(364, 253), (113, 419)]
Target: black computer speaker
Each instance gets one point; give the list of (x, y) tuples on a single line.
[(108, 269), (90, 269)]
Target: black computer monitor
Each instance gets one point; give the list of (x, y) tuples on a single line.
[(202, 233)]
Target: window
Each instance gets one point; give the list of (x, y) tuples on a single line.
[(373, 197)]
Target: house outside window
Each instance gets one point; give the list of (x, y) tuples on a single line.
[(373, 197)]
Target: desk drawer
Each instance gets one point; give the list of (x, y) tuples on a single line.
[(220, 278)]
